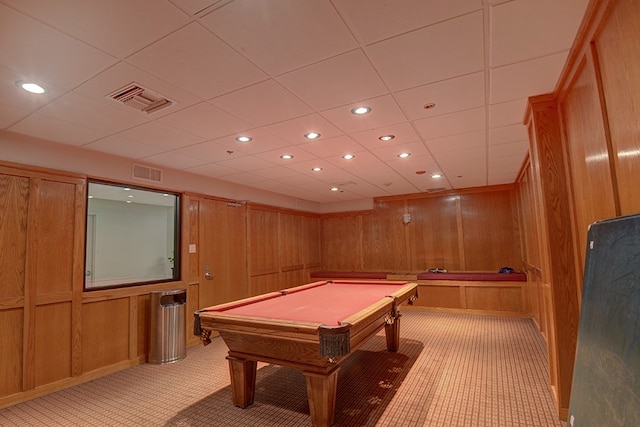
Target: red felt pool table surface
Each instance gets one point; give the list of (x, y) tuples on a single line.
[(328, 303)]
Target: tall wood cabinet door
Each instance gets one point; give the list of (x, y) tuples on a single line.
[(222, 249)]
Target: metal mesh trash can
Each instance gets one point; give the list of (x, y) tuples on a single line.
[(167, 332)]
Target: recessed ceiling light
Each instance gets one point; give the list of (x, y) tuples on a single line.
[(31, 87), (429, 106), (128, 201), (361, 110), (436, 176), (286, 157), (130, 196), (90, 196), (334, 189), (404, 155), (126, 189), (316, 169), (386, 137), (348, 156), (243, 138), (312, 135)]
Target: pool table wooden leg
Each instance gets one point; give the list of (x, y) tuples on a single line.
[(321, 392), (392, 332), (243, 380)]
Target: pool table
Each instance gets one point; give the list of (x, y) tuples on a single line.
[(313, 327)]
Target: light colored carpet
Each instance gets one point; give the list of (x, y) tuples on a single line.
[(450, 370)]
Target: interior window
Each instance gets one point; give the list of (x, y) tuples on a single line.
[(132, 236)]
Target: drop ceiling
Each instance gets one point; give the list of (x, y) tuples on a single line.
[(275, 70)]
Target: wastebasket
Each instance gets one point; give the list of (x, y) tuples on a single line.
[(167, 331)]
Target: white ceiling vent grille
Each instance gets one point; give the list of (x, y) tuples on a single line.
[(147, 173), (141, 99)]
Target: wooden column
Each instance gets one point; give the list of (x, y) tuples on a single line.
[(556, 243)]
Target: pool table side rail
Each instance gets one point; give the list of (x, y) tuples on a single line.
[(299, 344)]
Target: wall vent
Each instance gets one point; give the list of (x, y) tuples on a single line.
[(146, 173), (435, 189), (140, 98)]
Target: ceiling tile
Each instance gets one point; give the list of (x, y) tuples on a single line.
[(465, 169), (205, 121), (173, 160), (213, 170), (329, 174), (457, 94), (283, 35), (501, 135), (299, 155), (277, 172), (384, 112), (516, 34), (270, 103), (139, 23), (244, 178), (332, 147), (524, 79), (159, 136), (403, 133), (374, 20), (507, 113), (389, 154), (457, 143), (498, 152), (212, 151), (452, 124), (247, 163), (86, 112), (13, 96), (206, 68), (46, 55), (262, 141), (120, 146), (10, 115), (336, 81), (44, 127), (294, 130), (426, 55), (194, 7), (122, 75)]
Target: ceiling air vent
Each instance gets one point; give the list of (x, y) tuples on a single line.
[(140, 98), (147, 173)]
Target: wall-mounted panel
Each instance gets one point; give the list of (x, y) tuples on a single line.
[(55, 231), (342, 242), (105, 333), (618, 49), (11, 351), (489, 230), (433, 233), (591, 183), (52, 343), (263, 240), (291, 240), (383, 238), (14, 201)]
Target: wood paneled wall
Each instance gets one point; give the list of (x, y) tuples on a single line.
[(469, 230), (283, 247), (585, 166), (55, 335)]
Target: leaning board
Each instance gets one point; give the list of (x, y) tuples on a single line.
[(606, 376)]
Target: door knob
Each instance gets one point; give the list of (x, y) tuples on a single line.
[(208, 276)]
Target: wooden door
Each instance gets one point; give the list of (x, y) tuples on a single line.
[(222, 252)]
